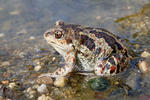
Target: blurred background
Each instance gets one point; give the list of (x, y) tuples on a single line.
[(23, 22)]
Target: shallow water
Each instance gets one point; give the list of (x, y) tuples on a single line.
[(23, 22)]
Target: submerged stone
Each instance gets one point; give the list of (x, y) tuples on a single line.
[(99, 84)]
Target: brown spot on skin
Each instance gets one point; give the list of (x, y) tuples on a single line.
[(80, 42), (102, 70), (112, 69), (88, 42), (61, 42), (47, 33), (68, 53), (68, 41), (100, 65), (102, 50), (73, 59)]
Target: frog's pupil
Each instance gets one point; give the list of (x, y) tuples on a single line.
[(58, 34)]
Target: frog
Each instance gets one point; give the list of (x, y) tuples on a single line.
[(86, 50)]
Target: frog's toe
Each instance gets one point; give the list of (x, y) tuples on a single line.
[(46, 75)]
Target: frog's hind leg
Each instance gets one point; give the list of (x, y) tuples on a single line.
[(108, 66)]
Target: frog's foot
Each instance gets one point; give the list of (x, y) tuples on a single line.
[(89, 73), (46, 75), (63, 71)]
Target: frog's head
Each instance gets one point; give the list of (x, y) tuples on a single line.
[(60, 37)]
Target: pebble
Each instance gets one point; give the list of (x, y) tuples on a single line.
[(143, 66), (1, 10), (12, 85), (134, 80), (44, 97), (137, 46), (98, 17), (2, 35), (54, 58), (31, 93), (5, 63), (5, 82), (99, 84), (29, 67), (44, 80), (60, 82), (22, 54), (37, 68), (42, 88), (1, 98), (32, 38), (145, 54), (35, 86)]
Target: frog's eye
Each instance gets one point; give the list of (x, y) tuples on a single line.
[(59, 34)]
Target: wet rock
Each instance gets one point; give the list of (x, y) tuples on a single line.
[(44, 80), (37, 68), (143, 97), (44, 97), (60, 81), (138, 23), (3, 53), (42, 88), (99, 84), (134, 80)]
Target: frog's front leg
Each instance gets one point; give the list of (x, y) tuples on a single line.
[(64, 70)]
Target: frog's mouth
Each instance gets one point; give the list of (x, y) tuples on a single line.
[(56, 46)]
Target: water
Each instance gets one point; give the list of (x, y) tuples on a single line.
[(23, 22)]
